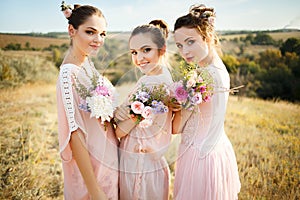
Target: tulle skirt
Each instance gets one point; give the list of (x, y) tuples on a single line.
[(214, 177)]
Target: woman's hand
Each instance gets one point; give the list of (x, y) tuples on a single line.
[(174, 106), (122, 113)]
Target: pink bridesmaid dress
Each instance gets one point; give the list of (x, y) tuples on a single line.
[(206, 167), (144, 171), (100, 142)]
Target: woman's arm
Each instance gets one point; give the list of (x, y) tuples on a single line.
[(83, 161), (179, 120)]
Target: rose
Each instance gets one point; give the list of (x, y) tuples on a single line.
[(181, 94), (147, 112), (67, 13), (137, 107), (207, 98)]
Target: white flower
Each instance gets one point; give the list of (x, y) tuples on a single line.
[(145, 123), (191, 83), (101, 107)]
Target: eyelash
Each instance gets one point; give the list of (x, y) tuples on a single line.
[(179, 46), (146, 50), (89, 32), (190, 42), (92, 33)]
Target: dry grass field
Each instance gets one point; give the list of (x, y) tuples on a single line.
[(264, 134), (37, 42)]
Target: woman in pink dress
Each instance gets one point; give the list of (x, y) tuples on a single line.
[(206, 167), (144, 172), (88, 148)]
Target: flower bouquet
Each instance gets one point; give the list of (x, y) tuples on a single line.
[(195, 87), (148, 101), (99, 98)]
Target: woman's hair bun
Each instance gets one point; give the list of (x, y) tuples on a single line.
[(201, 11), (162, 25), (76, 6)]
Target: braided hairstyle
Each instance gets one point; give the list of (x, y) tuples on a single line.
[(201, 18)]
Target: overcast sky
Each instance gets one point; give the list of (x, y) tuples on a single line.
[(23, 16)]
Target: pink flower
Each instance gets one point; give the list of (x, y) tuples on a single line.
[(101, 90), (202, 88), (147, 112), (207, 98), (211, 20), (181, 94), (145, 123), (67, 13), (137, 107)]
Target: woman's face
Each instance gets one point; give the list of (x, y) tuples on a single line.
[(89, 36), (144, 53), (191, 45)]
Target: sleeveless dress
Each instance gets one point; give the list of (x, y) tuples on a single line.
[(144, 171), (100, 142), (206, 167)]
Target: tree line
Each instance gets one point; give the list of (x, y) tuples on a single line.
[(272, 74)]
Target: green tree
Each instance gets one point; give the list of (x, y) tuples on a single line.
[(269, 59), (275, 83), (27, 45), (263, 39), (231, 63), (291, 45)]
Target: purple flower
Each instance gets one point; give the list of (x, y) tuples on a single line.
[(84, 106), (143, 96)]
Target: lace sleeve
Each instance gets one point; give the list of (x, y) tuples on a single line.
[(67, 96)]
